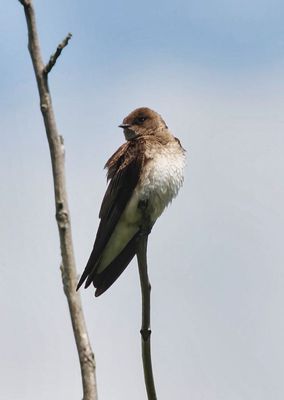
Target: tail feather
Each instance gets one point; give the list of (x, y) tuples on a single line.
[(109, 275), (103, 280)]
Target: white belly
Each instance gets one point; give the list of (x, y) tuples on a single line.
[(162, 179), (159, 184)]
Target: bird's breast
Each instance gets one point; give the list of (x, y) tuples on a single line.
[(162, 177)]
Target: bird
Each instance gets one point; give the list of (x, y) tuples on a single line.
[(144, 175)]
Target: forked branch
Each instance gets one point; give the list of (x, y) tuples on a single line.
[(68, 267), (54, 57)]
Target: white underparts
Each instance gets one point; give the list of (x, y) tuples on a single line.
[(159, 183), (163, 178)]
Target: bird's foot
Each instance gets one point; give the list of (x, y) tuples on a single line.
[(145, 231), (143, 204)]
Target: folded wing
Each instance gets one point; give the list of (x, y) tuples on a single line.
[(115, 243)]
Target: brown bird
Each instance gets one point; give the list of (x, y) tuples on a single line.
[(146, 172)]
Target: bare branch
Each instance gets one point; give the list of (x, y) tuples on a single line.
[(68, 267), (146, 309), (54, 57)]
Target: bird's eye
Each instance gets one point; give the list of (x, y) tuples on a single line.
[(140, 120)]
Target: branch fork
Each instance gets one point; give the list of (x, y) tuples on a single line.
[(56, 147), (56, 55)]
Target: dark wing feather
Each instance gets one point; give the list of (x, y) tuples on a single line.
[(106, 278), (124, 169)]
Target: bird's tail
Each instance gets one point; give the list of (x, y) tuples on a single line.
[(103, 280)]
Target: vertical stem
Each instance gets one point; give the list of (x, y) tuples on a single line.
[(68, 267), (145, 328)]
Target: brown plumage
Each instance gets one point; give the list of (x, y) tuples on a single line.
[(115, 245)]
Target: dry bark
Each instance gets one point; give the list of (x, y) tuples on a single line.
[(68, 267)]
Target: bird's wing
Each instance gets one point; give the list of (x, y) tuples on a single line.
[(124, 169)]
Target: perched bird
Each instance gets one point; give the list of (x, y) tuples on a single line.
[(145, 173)]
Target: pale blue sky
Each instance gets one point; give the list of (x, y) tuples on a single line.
[(214, 70)]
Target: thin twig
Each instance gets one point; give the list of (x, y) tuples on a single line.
[(68, 268), (54, 57), (145, 327)]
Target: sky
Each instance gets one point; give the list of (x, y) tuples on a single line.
[(214, 71)]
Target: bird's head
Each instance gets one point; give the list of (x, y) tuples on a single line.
[(142, 122)]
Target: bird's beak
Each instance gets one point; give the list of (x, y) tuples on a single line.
[(124, 126)]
